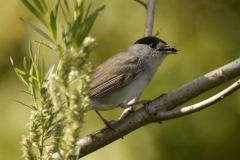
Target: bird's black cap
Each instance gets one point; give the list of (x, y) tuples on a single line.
[(150, 41)]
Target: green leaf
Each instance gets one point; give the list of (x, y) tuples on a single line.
[(25, 64), (60, 51), (43, 65), (37, 65), (53, 25), (157, 33), (64, 13), (67, 12), (45, 45), (88, 23), (36, 29), (31, 107), (26, 92), (35, 13), (66, 5), (32, 88), (44, 4), (19, 71), (56, 6), (86, 15), (21, 78), (19, 75), (39, 6), (31, 72), (22, 73), (11, 60), (53, 18), (80, 11)]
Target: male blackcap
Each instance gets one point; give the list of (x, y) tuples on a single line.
[(123, 76)]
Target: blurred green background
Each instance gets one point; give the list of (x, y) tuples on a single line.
[(208, 34)]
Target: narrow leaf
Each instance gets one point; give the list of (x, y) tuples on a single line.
[(27, 75), (36, 63), (157, 33), (44, 5), (43, 66), (56, 6), (45, 45), (19, 76), (89, 6), (68, 10), (64, 13), (31, 71), (36, 29), (81, 12), (25, 64), (35, 12), (31, 107), (53, 25), (60, 51), (22, 79), (89, 23), (20, 72), (11, 60), (39, 6), (26, 92)]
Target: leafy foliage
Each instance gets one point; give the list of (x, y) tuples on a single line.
[(58, 93)]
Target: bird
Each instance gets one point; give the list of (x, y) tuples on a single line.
[(123, 76)]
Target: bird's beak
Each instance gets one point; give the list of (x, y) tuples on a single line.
[(168, 49)]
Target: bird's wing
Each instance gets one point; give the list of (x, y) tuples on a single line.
[(115, 73)]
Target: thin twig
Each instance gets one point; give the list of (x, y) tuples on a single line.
[(201, 105), (142, 3)]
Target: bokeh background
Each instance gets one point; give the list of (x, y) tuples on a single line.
[(208, 34)]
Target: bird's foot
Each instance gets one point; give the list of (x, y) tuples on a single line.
[(126, 112), (131, 108), (139, 102), (107, 123)]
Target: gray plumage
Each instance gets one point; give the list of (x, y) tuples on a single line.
[(124, 76)]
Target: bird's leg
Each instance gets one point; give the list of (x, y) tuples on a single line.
[(139, 102), (130, 107), (107, 123)]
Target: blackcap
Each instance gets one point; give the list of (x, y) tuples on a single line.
[(124, 76)]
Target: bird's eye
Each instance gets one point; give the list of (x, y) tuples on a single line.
[(152, 45)]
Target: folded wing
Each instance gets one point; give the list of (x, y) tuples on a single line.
[(117, 72)]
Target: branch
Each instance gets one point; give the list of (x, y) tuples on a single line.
[(160, 108), (196, 87), (201, 105), (150, 18)]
